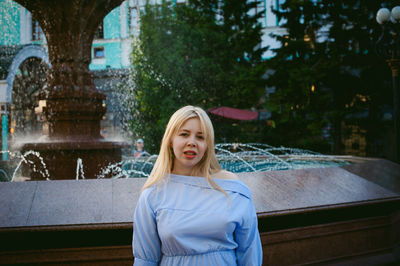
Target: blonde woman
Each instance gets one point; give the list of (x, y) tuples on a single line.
[(191, 212)]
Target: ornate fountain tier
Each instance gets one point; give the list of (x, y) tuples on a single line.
[(74, 108), (74, 115), (63, 155)]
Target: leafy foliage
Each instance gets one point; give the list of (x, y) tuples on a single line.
[(326, 70), (204, 53)]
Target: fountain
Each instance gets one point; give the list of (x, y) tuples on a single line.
[(74, 107), (345, 213), (234, 157), (237, 158)]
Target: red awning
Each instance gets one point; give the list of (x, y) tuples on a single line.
[(233, 113)]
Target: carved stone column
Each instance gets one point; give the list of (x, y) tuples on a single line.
[(74, 108)]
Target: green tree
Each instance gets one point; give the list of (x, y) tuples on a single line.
[(326, 70), (204, 53)]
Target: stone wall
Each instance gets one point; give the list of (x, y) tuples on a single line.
[(325, 215)]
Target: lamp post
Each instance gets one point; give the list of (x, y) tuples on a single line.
[(388, 46), (4, 135)]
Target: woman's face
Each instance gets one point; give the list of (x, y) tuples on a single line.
[(189, 146)]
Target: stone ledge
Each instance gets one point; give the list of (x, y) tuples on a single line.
[(322, 215)]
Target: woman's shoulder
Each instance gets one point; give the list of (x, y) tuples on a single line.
[(151, 194), (230, 182), (223, 174), (150, 191)]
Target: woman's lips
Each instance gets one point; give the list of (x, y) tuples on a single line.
[(190, 154)]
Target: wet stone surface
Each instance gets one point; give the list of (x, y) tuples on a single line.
[(109, 201), (68, 202)]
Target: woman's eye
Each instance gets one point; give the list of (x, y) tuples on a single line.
[(184, 134), (200, 137)]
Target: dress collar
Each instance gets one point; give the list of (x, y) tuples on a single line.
[(233, 185)]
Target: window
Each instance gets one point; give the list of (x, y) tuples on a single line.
[(99, 32), (133, 18), (136, 8), (98, 52), (37, 32), (260, 9), (278, 7), (180, 2)]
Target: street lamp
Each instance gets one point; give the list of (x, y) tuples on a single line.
[(4, 125), (388, 46)]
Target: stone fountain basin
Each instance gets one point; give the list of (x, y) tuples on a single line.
[(355, 207), (61, 156)]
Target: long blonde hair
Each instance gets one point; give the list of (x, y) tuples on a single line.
[(207, 166)]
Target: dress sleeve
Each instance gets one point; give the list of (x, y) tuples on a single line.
[(249, 250), (146, 243)]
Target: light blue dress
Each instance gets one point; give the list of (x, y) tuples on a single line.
[(185, 222)]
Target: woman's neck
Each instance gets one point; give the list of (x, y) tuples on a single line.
[(181, 172), (187, 172)]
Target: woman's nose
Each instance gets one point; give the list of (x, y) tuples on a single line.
[(191, 143)]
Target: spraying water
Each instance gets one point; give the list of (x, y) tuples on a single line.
[(79, 169), (234, 157), (25, 158)]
